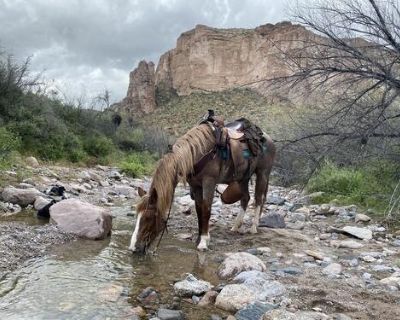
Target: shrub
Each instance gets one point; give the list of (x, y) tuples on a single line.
[(8, 142), (369, 186), (99, 146), (138, 164)]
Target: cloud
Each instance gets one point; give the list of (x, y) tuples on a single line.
[(94, 44)]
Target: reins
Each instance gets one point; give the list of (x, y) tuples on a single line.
[(166, 221)]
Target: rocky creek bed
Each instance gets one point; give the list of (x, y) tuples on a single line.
[(306, 262)]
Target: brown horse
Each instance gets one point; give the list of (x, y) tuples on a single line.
[(182, 165)]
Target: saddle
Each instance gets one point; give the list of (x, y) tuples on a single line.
[(240, 140)]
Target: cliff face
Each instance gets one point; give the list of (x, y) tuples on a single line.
[(141, 91), (210, 59)]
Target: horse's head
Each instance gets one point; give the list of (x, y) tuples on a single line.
[(149, 222)]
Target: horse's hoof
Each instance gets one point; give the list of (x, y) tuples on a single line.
[(202, 248)]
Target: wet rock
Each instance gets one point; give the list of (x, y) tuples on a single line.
[(208, 298), (22, 197), (361, 233), (167, 314), (191, 286), (332, 269), (40, 202), (234, 297), (254, 311), (82, 219), (360, 217), (110, 293), (238, 262), (32, 161), (351, 244), (272, 220), (148, 296)]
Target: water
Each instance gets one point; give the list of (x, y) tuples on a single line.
[(101, 279)]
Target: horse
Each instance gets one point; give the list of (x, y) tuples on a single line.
[(193, 159)]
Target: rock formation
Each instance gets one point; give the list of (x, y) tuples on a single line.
[(141, 91), (211, 59)]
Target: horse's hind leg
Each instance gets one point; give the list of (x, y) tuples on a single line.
[(260, 196), (243, 206), (198, 199)]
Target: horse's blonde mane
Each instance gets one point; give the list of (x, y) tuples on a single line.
[(177, 165)]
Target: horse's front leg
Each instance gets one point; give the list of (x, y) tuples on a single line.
[(208, 196), (197, 193)]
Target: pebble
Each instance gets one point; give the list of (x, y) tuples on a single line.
[(333, 269)]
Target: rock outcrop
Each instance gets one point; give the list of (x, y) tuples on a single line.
[(210, 59), (140, 97)]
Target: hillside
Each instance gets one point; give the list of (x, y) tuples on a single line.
[(180, 113)]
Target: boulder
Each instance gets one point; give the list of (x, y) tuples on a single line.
[(238, 262), (260, 284), (167, 314), (22, 197), (41, 202), (81, 218), (234, 297), (272, 220), (191, 286), (361, 233), (32, 161), (208, 298), (254, 311)]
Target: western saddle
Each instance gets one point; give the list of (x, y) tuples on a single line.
[(239, 140)]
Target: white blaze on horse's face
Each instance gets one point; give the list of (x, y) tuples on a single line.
[(132, 246)]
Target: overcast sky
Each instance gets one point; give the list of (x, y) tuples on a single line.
[(88, 46)]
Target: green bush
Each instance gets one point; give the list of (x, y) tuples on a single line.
[(138, 164), (8, 142), (99, 146), (369, 186)]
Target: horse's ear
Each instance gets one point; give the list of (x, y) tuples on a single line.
[(141, 192)]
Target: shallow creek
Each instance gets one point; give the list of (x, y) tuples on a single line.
[(101, 279)]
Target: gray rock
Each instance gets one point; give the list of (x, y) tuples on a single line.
[(126, 191), (82, 219), (208, 298), (215, 317), (333, 269), (279, 201), (299, 315), (238, 262), (360, 217), (191, 286), (351, 244), (260, 284), (167, 314), (382, 268), (272, 220), (22, 197), (40, 202), (292, 270), (234, 297), (361, 233), (254, 311)]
